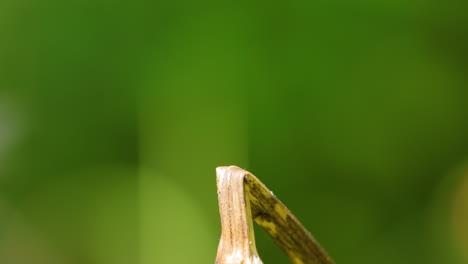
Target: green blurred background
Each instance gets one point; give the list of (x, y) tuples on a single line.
[(114, 115)]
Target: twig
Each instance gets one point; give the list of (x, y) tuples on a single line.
[(242, 197)]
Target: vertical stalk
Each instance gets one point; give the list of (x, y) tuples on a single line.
[(242, 197)]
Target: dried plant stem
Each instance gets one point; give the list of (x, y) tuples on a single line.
[(242, 197)]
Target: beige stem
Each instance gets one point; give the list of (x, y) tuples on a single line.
[(242, 197)]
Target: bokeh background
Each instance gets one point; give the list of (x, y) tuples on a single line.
[(114, 115)]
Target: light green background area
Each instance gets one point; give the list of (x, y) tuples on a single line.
[(114, 115)]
